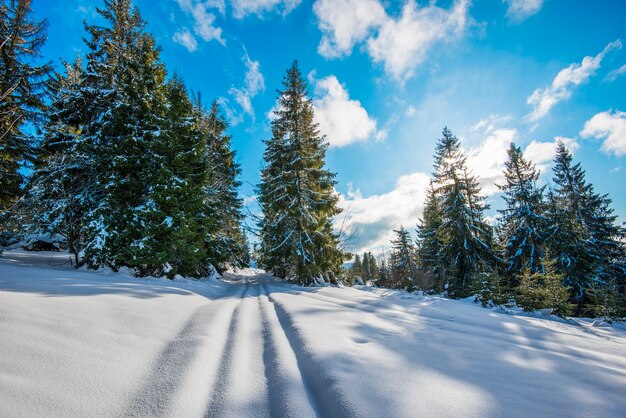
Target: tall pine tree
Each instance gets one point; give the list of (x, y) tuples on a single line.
[(62, 188), (403, 261), (226, 242), (523, 225), (22, 92), (585, 240), (428, 239), (296, 192), (466, 237), (126, 61)]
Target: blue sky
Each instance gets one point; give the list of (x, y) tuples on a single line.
[(386, 76)]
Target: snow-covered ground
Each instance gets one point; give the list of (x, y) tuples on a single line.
[(78, 343)]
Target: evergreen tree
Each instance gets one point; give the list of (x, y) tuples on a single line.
[(179, 224), (543, 289), (428, 240), (22, 92), (465, 236), (365, 269), (123, 64), (585, 239), (383, 278), (523, 223), (62, 187), (296, 192), (370, 269), (226, 242), (357, 268), (403, 263)]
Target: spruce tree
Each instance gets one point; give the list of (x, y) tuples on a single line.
[(543, 289), (522, 226), (123, 62), (466, 238), (585, 239), (357, 267), (62, 187), (22, 92), (226, 241), (383, 278), (179, 224), (296, 192), (370, 271), (366, 267), (428, 239), (403, 262)]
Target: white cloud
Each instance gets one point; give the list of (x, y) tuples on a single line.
[(373, 218), (410, 111), (341, 119), (487, 160), (403, 44), (491, 123), (615, 74), (543, 100), (519, 10), (611, 127), (243, 8), (542, 153), (186, 39), (345, 23), (253, 84), (203, 19), (400, 44)]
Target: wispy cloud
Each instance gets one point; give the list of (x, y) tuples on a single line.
[(253, 84), (615, 74), (243, 8), (610, 126), (186, 39), (544, 99), (203, 19), (519, 10)]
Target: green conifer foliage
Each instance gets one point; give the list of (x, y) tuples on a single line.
[(585, 238), (523, 224), (465, 236), (296, 192), (22, 92), (403, 261)]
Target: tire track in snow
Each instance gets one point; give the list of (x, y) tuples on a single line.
[(239, 388), (325, 391), (289, 394), (166, 375)]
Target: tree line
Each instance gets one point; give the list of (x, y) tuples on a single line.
[(554, 246)]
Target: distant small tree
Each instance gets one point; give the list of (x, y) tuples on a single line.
[(404, 267), (356, 266)]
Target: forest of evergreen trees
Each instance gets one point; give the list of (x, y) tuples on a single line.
[(129, 169), (556, 247)]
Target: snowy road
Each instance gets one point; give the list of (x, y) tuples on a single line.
[(77, 343)]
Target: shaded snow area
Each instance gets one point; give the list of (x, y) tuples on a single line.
[(78, 343)]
